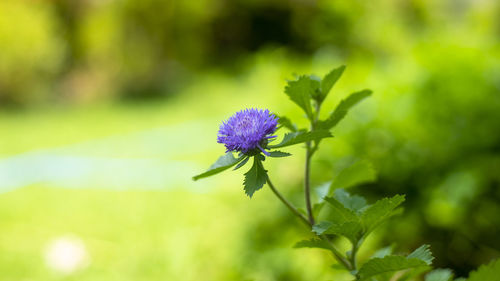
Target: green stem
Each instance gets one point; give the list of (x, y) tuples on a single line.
[(287, 203), (337, 255), (307, 185), (352, 257), (307, 169)]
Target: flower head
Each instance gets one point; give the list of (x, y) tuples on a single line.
[(247, 130)]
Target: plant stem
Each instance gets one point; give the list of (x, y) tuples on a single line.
[(352, 258), (337, 255), (307, 185), (307, 169), (287, 203)]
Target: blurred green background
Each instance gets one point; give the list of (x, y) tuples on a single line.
[(107, 108)]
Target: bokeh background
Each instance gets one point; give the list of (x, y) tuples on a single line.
[(108, 107)]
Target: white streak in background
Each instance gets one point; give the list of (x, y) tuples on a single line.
[(66, 254), (144, 160)]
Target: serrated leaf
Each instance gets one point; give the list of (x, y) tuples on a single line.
[(255, 178), (320, 228), (224, 162), (340, 214), (377, 266), (316, 90), (242, 163), (490, 272), (312, 243), (341, 111), (329, 81), (278, 154), (357, 173), (439, 275), (380, 253), (317, 207), (301, 137), (373, 215), (352, 202), (410, 275), (422, 253), (300, 92), (287, 123), (350, 229)]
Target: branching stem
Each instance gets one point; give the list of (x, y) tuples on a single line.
[(349, 262), (336, 254), (287, 203)]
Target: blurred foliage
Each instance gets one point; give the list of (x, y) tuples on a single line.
[(431, 128), (88, 50)]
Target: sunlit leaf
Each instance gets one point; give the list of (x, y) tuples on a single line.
[(377, 266), (380, 253), (490, 272), (382, 210), (329, 81), (439, 275), (339, 214), (301, 137), (224, 162), (352, 202), (350, 229), (300, 92), (312, 243), (422, 253), (341, 111)]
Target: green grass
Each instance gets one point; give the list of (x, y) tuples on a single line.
[(147, 235)]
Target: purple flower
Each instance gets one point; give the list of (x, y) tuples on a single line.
[(248, 130)]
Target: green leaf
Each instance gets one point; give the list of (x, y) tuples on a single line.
[(300, 137), (340, 213), (287, 123), (242, 163), (321, 227), (315, 85), (380, 253), (490, 272), (317, 207), (312, 243), (300, 92), (329, 81), (352, 202), (279, 154), (350, 229), (224, 162), (341, 111), (373, 215), (439, 275), (377, 266), (255, 178), (422, 253), (357, 173), (411, 274)]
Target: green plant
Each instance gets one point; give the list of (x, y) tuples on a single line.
[(337, 213)]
